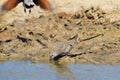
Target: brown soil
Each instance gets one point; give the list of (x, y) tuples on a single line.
[(34, 37)]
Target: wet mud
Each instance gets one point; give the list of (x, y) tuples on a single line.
[(36, 37)]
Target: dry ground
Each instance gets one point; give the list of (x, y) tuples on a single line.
[(33, 36)]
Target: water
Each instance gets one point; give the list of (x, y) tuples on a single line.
[(25, 70)]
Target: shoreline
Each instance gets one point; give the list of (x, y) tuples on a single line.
[(34, 38)]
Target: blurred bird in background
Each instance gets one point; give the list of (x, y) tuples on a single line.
[(27, 4)]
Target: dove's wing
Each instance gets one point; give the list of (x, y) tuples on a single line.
[(10, 4)]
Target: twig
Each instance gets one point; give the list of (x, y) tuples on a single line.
[(44, 45), (90, 37)]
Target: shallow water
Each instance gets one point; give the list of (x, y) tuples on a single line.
[(25, 70)]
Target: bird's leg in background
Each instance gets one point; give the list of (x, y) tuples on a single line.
[(25, 10), (29, 10)]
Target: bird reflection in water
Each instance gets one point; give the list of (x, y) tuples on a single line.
[(62, 70)]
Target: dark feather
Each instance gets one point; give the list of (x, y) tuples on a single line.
[(44, 4)]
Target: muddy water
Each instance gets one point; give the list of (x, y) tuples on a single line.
[(25, 70)]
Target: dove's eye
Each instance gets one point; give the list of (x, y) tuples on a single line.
[(51, 55)]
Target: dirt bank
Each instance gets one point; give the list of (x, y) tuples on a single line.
[(30, 37)]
